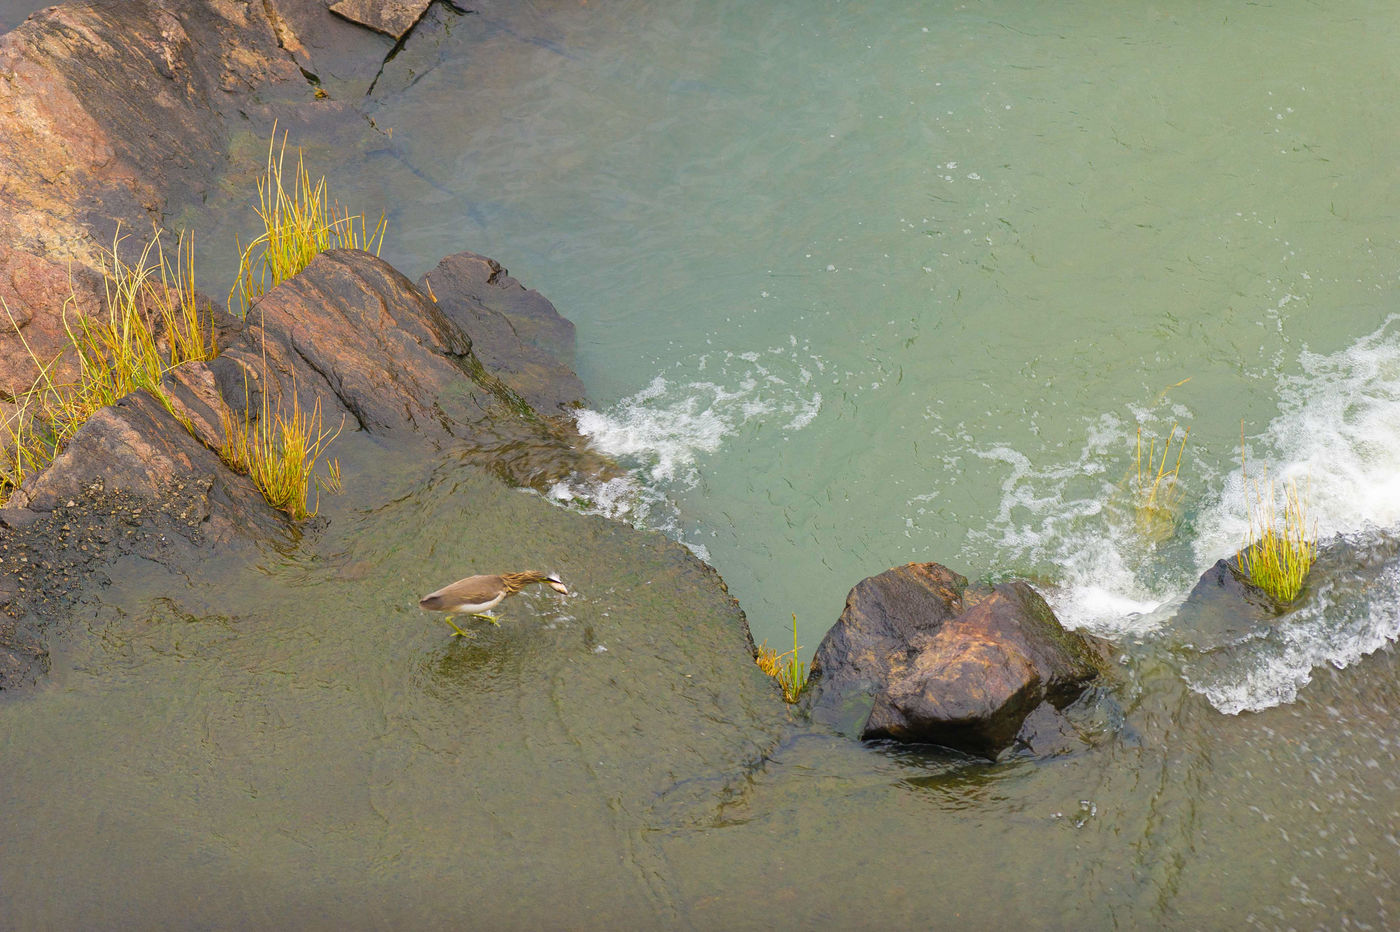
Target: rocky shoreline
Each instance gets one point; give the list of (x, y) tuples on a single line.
[(114, 114), (466, 360)]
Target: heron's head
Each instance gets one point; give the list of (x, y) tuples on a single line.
[(554, 582)]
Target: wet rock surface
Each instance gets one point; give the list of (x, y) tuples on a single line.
[(49, 559), (112, 112), (138, 447), (353, 334), (930, 668), (1227, 623), (391, 17), (131, 481), (516, 332), (115, 114), (350, 338), (1225, 608)]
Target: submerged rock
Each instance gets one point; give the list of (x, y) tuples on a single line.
[(1223, 607), (929, 668), (1224, 610)]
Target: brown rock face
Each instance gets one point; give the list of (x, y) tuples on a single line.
[(137, 447), (111, 110), (884, 616), (516, 332), (352, 332), (972, 684), (940, 672), (391, 17)]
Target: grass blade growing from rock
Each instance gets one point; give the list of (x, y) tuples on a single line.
[(1281, 549), (786, 668), (299, 221), (152, 324), (279, 453)]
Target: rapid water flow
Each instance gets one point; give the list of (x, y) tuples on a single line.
[(855, 284), (858, 285)]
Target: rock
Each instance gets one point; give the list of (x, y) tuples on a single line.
[(515, 331), (1048, 732), (1227, 624), (931, 670), (392, 17), (353, 333), (111, 111), (884, 616), (1223, 607), (138, 447), (132, 480), (349, 336), (22, 659), (972, 685)]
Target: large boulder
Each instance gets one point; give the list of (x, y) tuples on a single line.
[(926, 661), (884, 615)]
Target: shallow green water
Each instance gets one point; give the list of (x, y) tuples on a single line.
[(862, 284), (855, 284)]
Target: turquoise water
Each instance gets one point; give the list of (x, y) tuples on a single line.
[(855, 284)]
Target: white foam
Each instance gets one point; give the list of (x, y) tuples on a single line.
[(664, 429), (1337, 435), (1270, 671), (1063, 516), (663, 433)]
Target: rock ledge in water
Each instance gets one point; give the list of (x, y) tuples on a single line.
[(392, 17), (942, 671)]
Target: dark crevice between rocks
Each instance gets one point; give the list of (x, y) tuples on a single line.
[(336, 385), (288, 43), (403, 41)]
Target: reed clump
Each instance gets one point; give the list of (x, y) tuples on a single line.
[(280, 453), (1156, 491), (152, 324), (1281, 547), (790, 672), (299, 220)]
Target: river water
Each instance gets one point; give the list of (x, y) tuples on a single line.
[(855, 284)]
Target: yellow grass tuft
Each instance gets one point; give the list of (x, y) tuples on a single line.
[(299, 221), (1280, 549), (152, 324), (790, 672), (1156, 490), (280, 454)]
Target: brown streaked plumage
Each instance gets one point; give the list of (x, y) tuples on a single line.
[(477, 595)]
